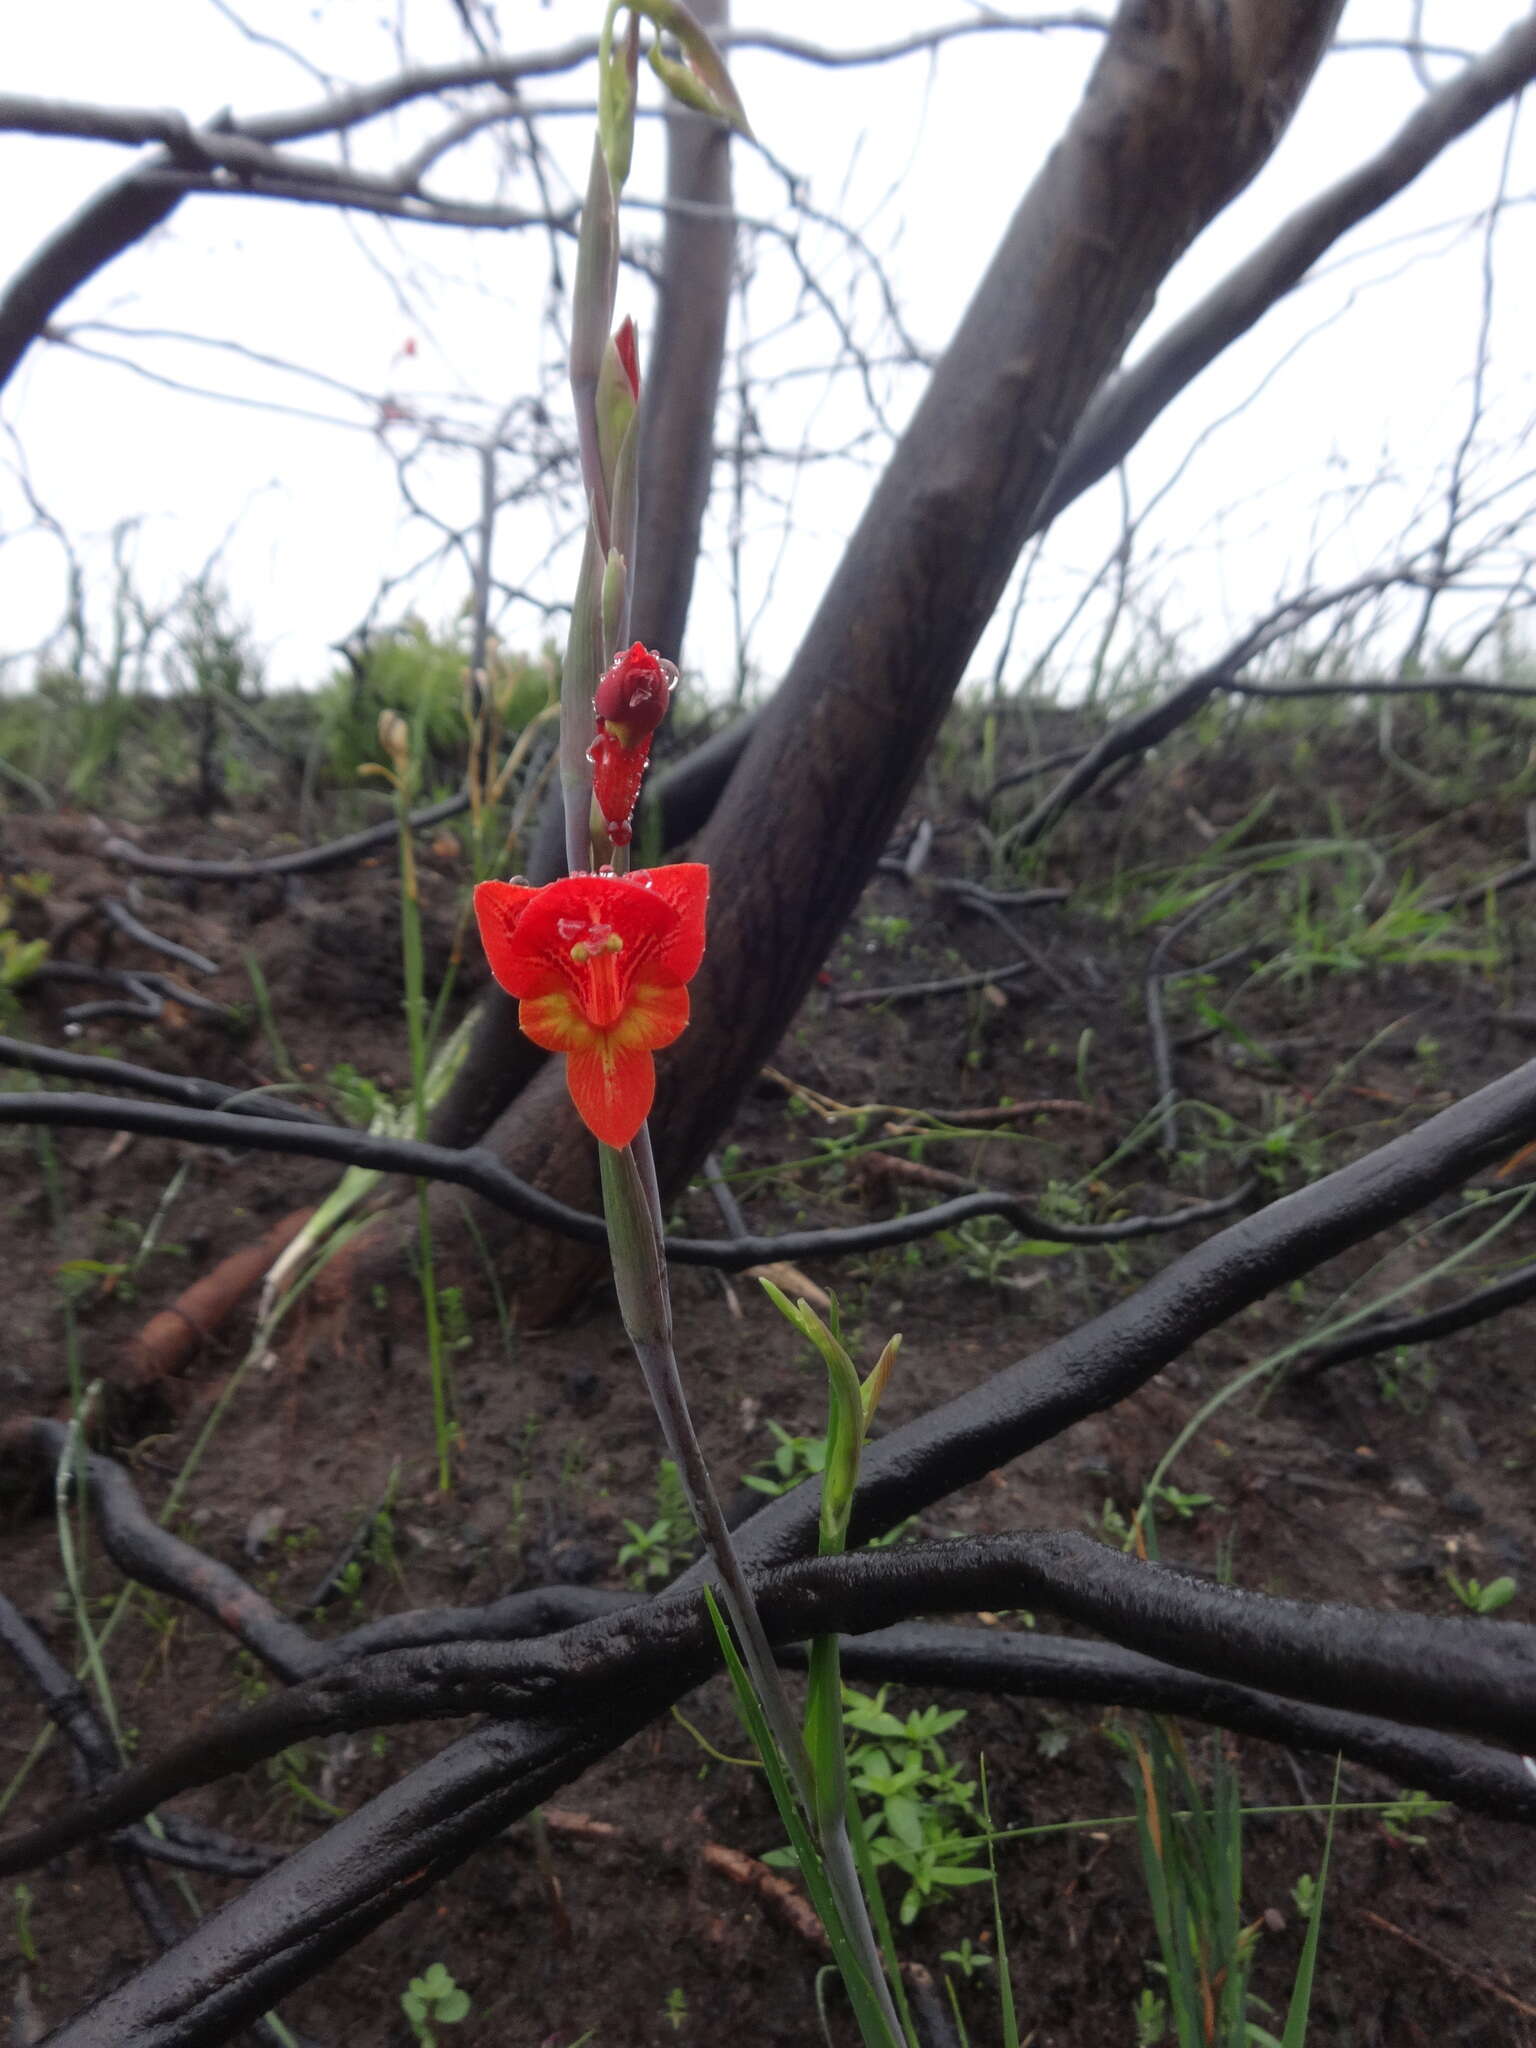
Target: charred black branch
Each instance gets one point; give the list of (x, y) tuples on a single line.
[(312, 860), (1462, 1675), (484, 1175)]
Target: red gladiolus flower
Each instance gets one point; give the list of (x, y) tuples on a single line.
[(630, 703), (599, 965)]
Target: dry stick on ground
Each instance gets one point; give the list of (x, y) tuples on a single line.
[(312, 860), (954, 984), (1477, 892), (478, 1170), (1492, 1300), (994, 1113), (954, 885), (180, 1088), (1447, 1962), (122, 919), (173, 1336), (1158, 973)]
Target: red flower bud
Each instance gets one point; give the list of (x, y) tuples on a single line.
[(634, 693), (630, 703), (628, 346)]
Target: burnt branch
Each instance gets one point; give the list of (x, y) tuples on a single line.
[(1464, 1314), (311, 860), (1461, 1675), (483, 1174), (1129, 403)]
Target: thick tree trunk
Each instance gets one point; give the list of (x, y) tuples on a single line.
[(1185, 104), (682, 367)]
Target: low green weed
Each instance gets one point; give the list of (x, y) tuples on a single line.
[(26, 1945), (795, 1458), (920, 1811), (1478, 1598), (1406, 1378), (1406, 1816), (433, 2000), (657, 1552)]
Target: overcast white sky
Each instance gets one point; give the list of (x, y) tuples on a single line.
[(928, 159)]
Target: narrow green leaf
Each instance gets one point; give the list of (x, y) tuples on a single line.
[(1296, 2017)]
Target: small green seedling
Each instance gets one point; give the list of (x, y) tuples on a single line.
[(968, 1959), (26, 1946), (795, 1458), (656, 1552), (1185, 1505), (1480, 1599), (433, 2000), (1401, 1820), (1151, 2017), (675, 2011)]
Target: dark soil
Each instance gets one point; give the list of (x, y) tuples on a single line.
[(1365, 1485)]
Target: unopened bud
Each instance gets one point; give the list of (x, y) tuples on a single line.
[(395, 738), (703, 82), (618, 396), (632, 698)]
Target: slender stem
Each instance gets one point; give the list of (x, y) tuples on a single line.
[(632, 1206), (416, 1034)]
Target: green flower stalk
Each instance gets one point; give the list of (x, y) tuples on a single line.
[(851, 1409), (600, 961)]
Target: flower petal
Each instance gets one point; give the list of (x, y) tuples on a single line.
[(643, 918), (499, 911), (554, 1021), (656, 1016), (613, 1090), (685, 886)]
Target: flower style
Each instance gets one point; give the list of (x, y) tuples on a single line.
[(630, 703), (599, 965)]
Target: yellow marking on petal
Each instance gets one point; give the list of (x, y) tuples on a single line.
[(556, 1023)]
